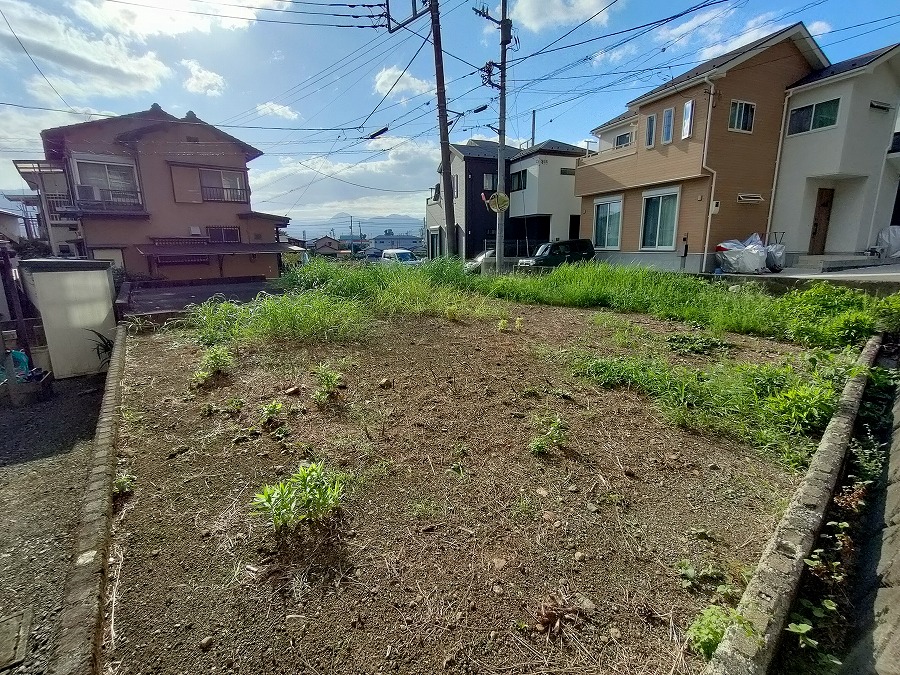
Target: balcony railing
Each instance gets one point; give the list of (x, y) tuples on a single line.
[(607, 154), (112, 200), (221, 194), (60, 207)]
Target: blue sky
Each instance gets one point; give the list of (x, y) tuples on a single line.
[(242, 68)]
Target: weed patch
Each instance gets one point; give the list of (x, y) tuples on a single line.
[(312, 494), (552, 433)]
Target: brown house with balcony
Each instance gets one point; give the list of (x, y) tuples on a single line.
[(157, 194), (692, 163)]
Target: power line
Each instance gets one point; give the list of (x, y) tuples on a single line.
[(244, 18), (33, 62), (396, 82), (296, 11)]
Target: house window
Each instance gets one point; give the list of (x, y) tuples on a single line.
[(111, 183), (182, 260), (623, 140), (650, 137), (741, 117), (607, 222), (224, 235), (223, 186), (518, 180), (810, 117), (490, 182), (455, 185), (687, 122), (668, 125), (660, 219), (566, 171)]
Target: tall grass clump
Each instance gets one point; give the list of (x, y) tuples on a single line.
[(775, 407), (289, 317)]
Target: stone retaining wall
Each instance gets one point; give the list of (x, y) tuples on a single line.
[(772, 590), (76, 649)]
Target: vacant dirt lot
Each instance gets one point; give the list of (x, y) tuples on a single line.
[(454, 536)]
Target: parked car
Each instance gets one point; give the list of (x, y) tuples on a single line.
[(475, 265), (555, 253), (399, 256)]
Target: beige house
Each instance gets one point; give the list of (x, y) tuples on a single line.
[(692, 162), (159, 195)]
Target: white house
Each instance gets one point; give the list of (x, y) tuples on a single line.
[(837, 178), (542, 201)]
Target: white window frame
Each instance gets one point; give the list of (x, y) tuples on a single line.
[(650, 131), (837, 120), (739, 102), (687, 120), (659, 192), (629, 135), (111, 160), (671, 128), (493, 186), (611, 199)]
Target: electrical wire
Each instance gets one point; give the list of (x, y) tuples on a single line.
[(290, 11), (33, 62), (396, 82), (244, 18)]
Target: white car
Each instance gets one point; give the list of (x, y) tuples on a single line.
[(399, 255), (483, 260)]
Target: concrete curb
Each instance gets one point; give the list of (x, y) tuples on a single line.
[(76, 649), (772, 590)]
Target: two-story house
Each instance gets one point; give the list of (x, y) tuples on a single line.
[(159, 195), (540, 184), (390, 240), (693, 162), (837, 171)]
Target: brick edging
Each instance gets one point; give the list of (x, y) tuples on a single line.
[(76, 648), (768, 598)]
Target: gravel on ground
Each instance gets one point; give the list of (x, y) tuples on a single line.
[(44, 451)]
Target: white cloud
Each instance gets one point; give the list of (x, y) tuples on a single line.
[(613, 56), (706, 26), (276, 110), (407, 83), (817, 28), (145, 18), (756, 28), (406, 165), (202, 81), (79, 64), (536, 15)]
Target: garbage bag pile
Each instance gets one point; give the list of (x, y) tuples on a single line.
[(888, 242), (750, 256)]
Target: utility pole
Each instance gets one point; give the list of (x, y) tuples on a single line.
[(505, 25), (393, 26), (533, 120)]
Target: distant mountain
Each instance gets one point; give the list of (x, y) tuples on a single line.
[(371, 225)]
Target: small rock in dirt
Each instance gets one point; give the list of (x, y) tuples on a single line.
[(517, 414), (714, 467), (205, 533), (615, 633), (541, 492), (206, 643), (593, 508), (292, 391), (580, 557), (549, 516), (385, 383), (585, 604), (630, 473), (499, 563), (154, 552), (498, 589), (572, 488), (492, 635), (557, 524)]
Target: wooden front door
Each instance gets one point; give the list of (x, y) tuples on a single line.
[(822, 217)]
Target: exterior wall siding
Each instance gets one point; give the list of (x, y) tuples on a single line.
[(745, 162)]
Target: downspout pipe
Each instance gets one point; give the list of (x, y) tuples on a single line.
[(705, 167), (784, 117)]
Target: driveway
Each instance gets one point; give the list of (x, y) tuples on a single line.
[(44, 452), (176, 298)]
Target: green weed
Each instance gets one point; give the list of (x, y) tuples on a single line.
[(329, 380), (312, 494), (552, 433), (695, 343), (123, 485), (709, 626), (270, 414), (216, 361)]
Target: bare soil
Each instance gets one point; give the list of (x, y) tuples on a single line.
[(456, 541)]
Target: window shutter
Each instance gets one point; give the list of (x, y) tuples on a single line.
[(186, 184)]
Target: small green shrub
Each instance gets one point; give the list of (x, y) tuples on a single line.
[(552, 434), (887, 313), (695, 343), (709, 626), (217, 360), (123, 485), (329, 381), (312, 494), (270, 414)]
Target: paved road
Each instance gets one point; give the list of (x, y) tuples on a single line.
[(44, 452), (176, 298)]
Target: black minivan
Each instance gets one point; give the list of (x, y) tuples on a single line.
[(555, 253)]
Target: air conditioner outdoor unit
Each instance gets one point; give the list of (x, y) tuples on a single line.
[(750, 198), (87, 193)]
